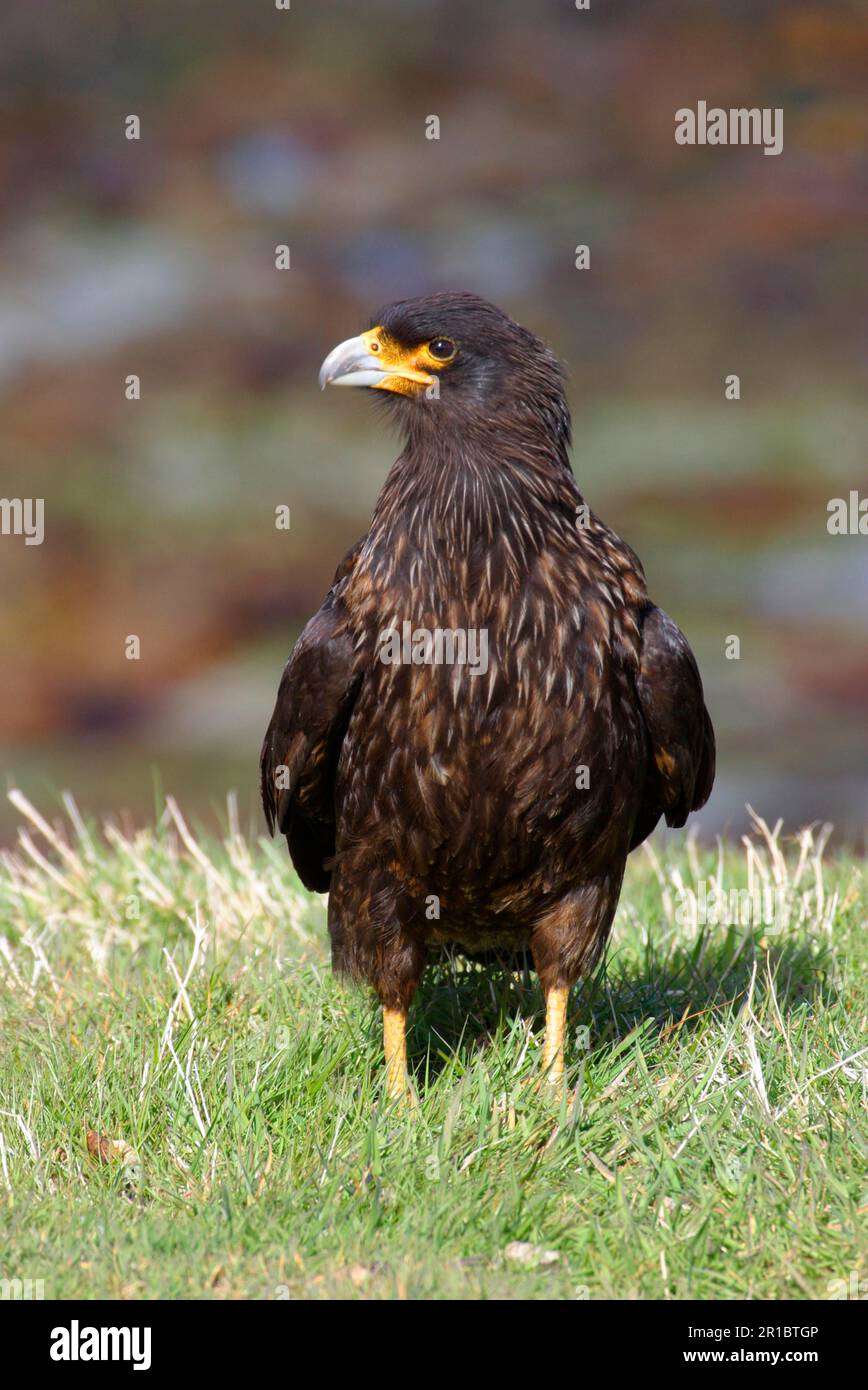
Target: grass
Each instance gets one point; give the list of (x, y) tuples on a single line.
[(175, 995)]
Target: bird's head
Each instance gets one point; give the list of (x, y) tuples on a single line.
[(454, 359)]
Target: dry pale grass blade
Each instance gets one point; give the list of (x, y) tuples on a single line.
[(93, 888), (194, 849), (51, 836), (782, 891)]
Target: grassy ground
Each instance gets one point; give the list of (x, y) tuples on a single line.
[(176, 996)]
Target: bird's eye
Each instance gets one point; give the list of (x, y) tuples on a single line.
[(442, 348)]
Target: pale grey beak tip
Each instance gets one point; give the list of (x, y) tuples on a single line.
[(351, 364)]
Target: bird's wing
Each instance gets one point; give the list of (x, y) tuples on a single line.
[(303, 740), (678, 724)]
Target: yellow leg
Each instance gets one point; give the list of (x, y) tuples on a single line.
[(395, 1048), (556, 1017)]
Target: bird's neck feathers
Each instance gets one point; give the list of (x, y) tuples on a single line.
[(471, 479)]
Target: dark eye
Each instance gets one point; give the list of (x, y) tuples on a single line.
[(442, 349)]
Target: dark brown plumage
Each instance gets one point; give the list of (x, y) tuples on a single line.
[(494, 809)]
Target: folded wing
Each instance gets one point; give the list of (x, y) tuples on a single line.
[(303, 740), (678, 724)]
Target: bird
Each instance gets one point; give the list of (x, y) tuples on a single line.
[(487, 713)]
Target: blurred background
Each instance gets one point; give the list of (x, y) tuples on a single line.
[(260, 127)]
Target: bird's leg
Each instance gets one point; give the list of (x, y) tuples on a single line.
[(556, 1017), (565, 943), (395, 1049)]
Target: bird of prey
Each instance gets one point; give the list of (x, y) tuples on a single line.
[(488, 713)]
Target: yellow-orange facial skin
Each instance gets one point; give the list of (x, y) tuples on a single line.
[(411, 369)]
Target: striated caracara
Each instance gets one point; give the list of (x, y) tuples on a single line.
[(487, 713)]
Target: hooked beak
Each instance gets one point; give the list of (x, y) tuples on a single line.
[(351, 364), (367, 361)]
